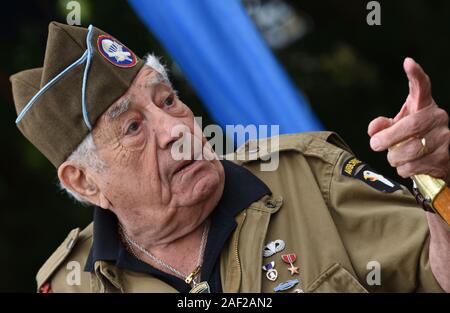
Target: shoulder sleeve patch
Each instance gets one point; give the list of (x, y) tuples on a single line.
[(56, 258), (355, 168)]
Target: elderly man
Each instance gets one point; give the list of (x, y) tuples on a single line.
[(322, 221)]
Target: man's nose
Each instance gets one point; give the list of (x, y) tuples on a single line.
[(168, 129)]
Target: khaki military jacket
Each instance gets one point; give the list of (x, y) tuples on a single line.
[(337, 225)]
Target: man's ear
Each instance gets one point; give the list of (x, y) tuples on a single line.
[(78, 180)]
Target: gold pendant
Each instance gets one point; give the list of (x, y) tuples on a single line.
[(192, 275), (201, 287)]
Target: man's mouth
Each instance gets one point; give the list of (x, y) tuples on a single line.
[(193, 161), (184, 165)]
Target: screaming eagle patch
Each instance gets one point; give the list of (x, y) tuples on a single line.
[(357, 169)]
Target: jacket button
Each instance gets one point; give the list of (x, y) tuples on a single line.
[(270, 204)]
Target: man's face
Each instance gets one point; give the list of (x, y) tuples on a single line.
[(142, 180)]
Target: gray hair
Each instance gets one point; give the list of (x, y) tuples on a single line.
[(85, 155)]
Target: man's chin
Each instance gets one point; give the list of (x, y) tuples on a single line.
[(199, 187)]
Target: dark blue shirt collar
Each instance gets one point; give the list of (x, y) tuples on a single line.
[(240, 190)]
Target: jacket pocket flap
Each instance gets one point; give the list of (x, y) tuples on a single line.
[(336, 279)]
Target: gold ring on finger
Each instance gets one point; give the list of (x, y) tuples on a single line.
[(424, 149)]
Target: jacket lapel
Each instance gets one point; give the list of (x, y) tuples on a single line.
[(241, 260)]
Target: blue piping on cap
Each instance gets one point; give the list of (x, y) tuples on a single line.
[(87, 56)]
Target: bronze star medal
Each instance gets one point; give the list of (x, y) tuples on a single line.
[(290, 259)]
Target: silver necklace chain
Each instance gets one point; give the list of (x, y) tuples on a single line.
[(188, 278)]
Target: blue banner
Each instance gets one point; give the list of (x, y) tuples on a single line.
[(223, 55)]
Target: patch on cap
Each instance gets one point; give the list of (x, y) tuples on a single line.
[(115, 52)]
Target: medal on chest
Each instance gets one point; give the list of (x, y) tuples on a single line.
[(290, 259), (272, 273)]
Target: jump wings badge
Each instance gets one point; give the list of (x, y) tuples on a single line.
[(273, 247)]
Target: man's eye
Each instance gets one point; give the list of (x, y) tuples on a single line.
[(133, 128), (169, 100)]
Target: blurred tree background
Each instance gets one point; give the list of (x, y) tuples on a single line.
[(349, 71)]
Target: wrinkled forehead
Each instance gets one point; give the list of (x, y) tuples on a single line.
[(147, 77), (146, 80)]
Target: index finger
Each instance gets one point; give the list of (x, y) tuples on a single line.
[(419, 85), (414, 125)]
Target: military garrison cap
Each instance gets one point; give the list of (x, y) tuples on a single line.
[(85, 70)]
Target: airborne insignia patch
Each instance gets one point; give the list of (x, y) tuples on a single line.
[(357, 169), (115, 52)]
